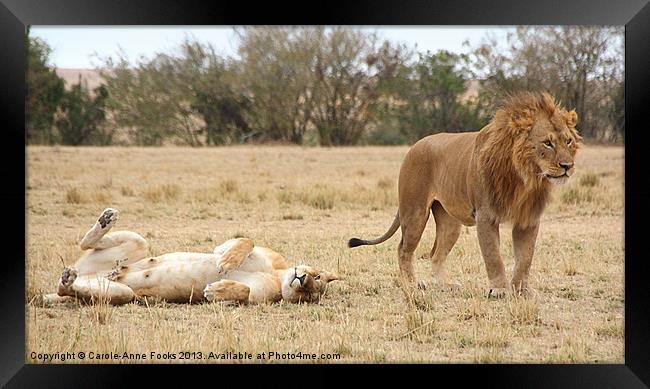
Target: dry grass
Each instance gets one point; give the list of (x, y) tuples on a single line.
[(74, 196), (589, 180), (306, 203), (165, 192)]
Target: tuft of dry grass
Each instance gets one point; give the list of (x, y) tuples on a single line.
[(101, 310), (589, 180), (285, 197), (420, 326), (578, 195), (164, 192), (572, 349), (292, 216), (570, 267), (307, 211), (319, 200), (229, 186), (319, 196), (610, 331), (523, 311), (75, 196), (107, 183), (102, 196), (385, 183), (127, 191)]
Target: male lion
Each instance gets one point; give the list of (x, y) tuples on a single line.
[(502, 173), (116, 268)]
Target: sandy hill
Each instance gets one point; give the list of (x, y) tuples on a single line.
[(71, 76), (93, 80)]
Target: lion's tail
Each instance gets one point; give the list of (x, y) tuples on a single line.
[(354, 242)]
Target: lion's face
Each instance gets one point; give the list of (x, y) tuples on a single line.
[(554, 142), (305, 284)]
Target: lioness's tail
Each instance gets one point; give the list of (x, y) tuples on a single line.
[(354, 242)]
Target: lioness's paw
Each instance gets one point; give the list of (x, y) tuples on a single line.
[(422, 285), (209, 296), (68, 277), (227, 291), (222, 268), (108, 218), (212, 291), (497, 293)]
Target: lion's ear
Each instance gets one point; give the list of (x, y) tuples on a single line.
[(522, 120), (576, 135), (548, 103), (327, 276), (571, 118)]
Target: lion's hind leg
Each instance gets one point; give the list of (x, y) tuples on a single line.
[(227, 291), (129, 247), (94, 238), (413, 222), (447, 233)]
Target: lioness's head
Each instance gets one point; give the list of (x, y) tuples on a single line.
[(547, 139), (305, 284)]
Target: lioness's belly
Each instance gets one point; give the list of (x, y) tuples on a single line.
[(178, 279)]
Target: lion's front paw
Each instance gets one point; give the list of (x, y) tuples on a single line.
[(497, 293), (68, 277), (108, 218)]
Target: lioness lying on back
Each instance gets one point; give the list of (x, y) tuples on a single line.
[(116, 267)]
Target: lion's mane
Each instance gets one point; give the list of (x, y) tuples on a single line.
[(506, 167)]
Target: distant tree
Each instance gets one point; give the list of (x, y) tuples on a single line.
[(613, 79), (189, 98), (223, 109), (312, 79), (342, 86), (136, 102), (580, 65), (83, 115), (616, 111), (44, 92), (349, 72), (426, 98), (277, 72)]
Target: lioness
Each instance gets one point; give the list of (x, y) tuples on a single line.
[(116, 267), (502, 173)]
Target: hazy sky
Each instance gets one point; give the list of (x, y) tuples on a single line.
[(74, 47)]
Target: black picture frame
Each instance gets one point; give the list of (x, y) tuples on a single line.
[(16, 14)]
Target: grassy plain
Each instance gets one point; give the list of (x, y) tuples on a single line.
[(306, 203)]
